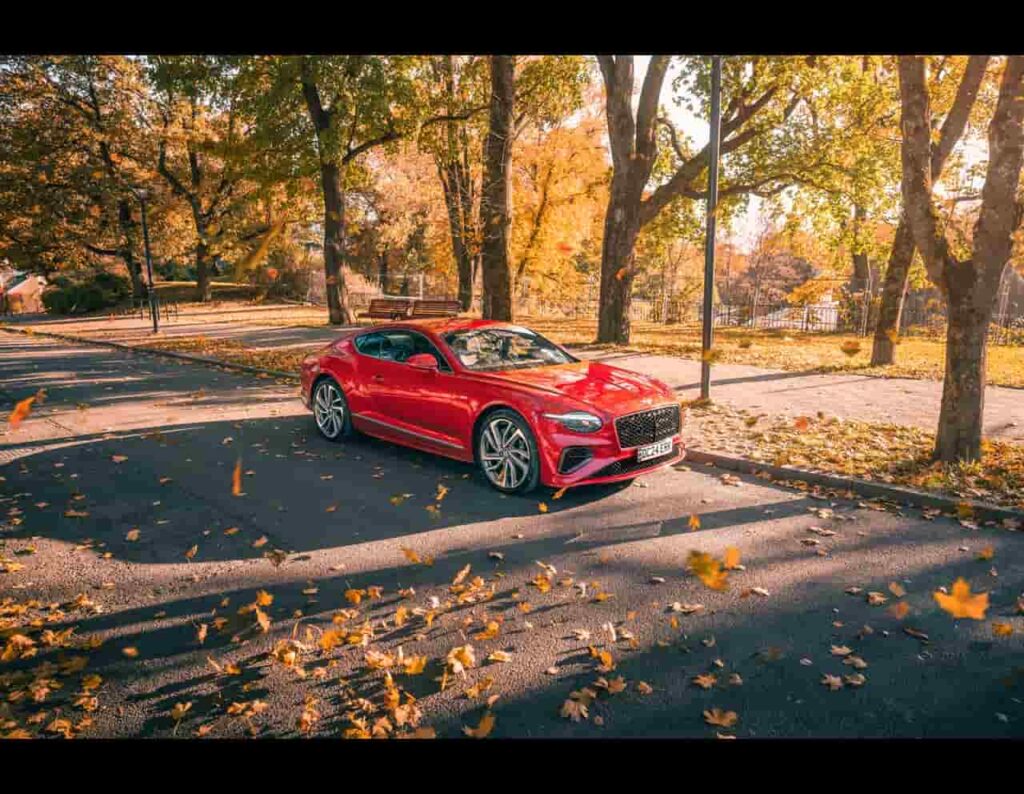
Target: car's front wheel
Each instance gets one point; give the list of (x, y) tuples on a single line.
[(330, 410), (507, 453)]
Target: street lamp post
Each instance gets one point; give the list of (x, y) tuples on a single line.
[(154, 307), (709, 243)]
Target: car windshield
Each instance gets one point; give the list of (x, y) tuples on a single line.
[(504, 348)]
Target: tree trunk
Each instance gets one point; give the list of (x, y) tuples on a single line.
[(963, 391), (496, 208), (203, 288), (452, 182), (861, 268), (618, 251), (124, 218), (334, 244), (897, 273), (382, 271)]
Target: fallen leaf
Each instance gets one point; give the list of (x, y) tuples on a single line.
[(484, 728), (723, 719), (960, 603), (236, 479)]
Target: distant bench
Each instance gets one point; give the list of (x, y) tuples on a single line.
[(405, 309), (434, 308), (387, 309)]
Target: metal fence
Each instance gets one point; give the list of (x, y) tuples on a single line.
[(919, 317)]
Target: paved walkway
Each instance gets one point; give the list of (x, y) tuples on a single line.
[(896, 400)]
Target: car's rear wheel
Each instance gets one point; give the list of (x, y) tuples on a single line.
[(330, 410), (507, 452)]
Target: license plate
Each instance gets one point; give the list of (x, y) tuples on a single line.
[(655, 450)]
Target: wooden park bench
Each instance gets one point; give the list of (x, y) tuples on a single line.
[(431, 307), (387, 309)]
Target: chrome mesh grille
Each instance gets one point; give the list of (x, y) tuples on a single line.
[(647, 427)]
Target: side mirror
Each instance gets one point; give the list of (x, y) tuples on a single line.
[(424, 361)]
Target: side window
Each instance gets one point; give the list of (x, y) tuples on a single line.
[(369, 344), (424, 345), (398, 346)]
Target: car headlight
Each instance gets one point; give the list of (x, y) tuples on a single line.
[(577, 421)]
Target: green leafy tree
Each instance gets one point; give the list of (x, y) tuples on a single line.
[(967, 268)]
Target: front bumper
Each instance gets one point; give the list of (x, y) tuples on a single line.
[(609, 464)]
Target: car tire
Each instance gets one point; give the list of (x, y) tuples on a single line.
[(330, 410), (506, 453)]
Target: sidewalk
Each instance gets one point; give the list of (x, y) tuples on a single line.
[(890, 400)]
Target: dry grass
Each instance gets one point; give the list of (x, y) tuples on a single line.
[(917, 357), (894, 454), (231, 352)]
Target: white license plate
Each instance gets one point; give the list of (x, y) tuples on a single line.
[(655, 450)]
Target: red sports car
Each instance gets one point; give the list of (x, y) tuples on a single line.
[(521, 407)]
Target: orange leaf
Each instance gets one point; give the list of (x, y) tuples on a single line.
[(23, 408), (483, 729), (236, 479), (732, 558), (725, 719), (960, 603), (708, 570)]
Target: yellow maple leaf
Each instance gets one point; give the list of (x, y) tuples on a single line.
[(708, 570), (1002, 629), (960, 603), (732, 558), (542, 506), (694, 523)]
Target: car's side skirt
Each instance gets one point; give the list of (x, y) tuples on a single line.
[(401, 435)]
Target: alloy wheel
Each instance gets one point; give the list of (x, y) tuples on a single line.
[(329, 409), (505, 453)]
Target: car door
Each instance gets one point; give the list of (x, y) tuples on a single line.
[(370, 373), (427, 402)]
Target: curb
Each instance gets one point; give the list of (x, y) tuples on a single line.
[(983, 511), (277, 373)]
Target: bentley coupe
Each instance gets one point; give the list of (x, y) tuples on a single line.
[(520, 407)]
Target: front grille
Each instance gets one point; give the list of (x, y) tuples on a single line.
[(647, 427), (632, 464), (573, 458)]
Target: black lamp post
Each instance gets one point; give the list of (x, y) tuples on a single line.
[(154, 307), (709, 245)]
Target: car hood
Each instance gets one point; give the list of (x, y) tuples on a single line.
[(610, 389)]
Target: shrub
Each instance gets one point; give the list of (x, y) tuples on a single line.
[(90, 293)]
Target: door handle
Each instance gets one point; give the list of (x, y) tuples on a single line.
[(378, 378)]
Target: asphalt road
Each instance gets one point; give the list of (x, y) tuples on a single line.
[(330, 509)]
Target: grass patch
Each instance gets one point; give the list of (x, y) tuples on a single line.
[(894, 454), (917, 357), (230, 351)]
